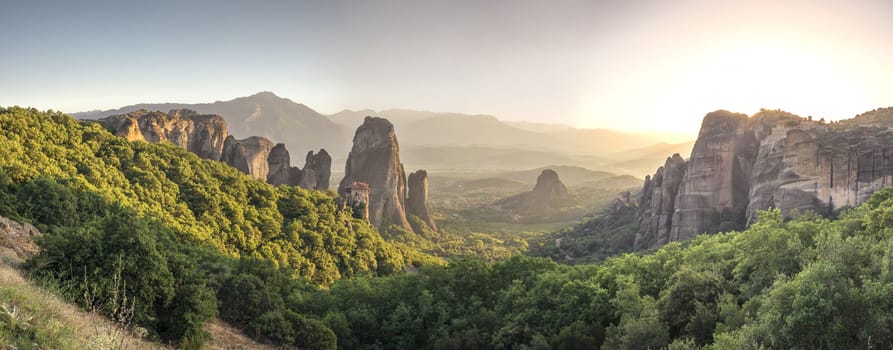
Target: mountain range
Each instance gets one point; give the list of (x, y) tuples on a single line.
[(424, 133)]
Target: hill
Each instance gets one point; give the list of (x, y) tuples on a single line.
[(174, 232), (433, 129), (570, 175), (478, 158), (804, 283)]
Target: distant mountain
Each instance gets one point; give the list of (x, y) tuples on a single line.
[(435, 140), (263, 114), (480, 157), (398, 117), (658, 149), (540, 127), (641, 161), (425, 128)]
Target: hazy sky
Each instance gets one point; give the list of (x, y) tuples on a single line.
[(623, 64)]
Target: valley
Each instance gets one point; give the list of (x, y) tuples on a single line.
[(211, 230)]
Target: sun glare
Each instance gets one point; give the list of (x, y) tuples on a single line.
[(740, 79), (776, 77)]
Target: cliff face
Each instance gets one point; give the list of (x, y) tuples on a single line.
[(417, 199), (657, 203), (250, 155), (203, 135), (317, 171), (375, 160), (716, 177), (741, 165), (281, 171)]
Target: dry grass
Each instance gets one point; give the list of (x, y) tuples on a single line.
[(228, 338), (51, 323), (42, 320)]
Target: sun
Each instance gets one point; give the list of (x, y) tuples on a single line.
[(677, 92), (802, 81)]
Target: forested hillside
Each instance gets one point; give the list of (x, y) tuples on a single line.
[(808, 283), (167, 228)]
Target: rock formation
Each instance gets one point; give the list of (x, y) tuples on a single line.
[(657, 202), (742, 165), (548, 195), (417, 198), (317, 171), (203, 135), (250, 155), (18, 237), (280, 170), (375, 160)]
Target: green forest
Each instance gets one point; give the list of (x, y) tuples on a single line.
[(187, 240)]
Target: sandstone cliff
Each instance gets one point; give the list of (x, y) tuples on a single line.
[(740, 165), (375, 160), (417, 199), (203, 135)]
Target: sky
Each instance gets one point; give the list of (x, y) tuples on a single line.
[(625, 64)]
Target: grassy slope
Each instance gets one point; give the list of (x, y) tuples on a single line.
[(46, 321), (43, 320)]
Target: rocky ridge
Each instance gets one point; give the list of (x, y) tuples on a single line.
[(206, 136), (203, 135), (740, 165)]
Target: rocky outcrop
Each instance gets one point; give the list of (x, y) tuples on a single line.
[(18, 237), (375, 160), (548, 195), (203, 135), (774, 159), (317, 171), (716, 178), (249, 155), (549, 191), (280, 170), (417, 199), (657, 202)]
